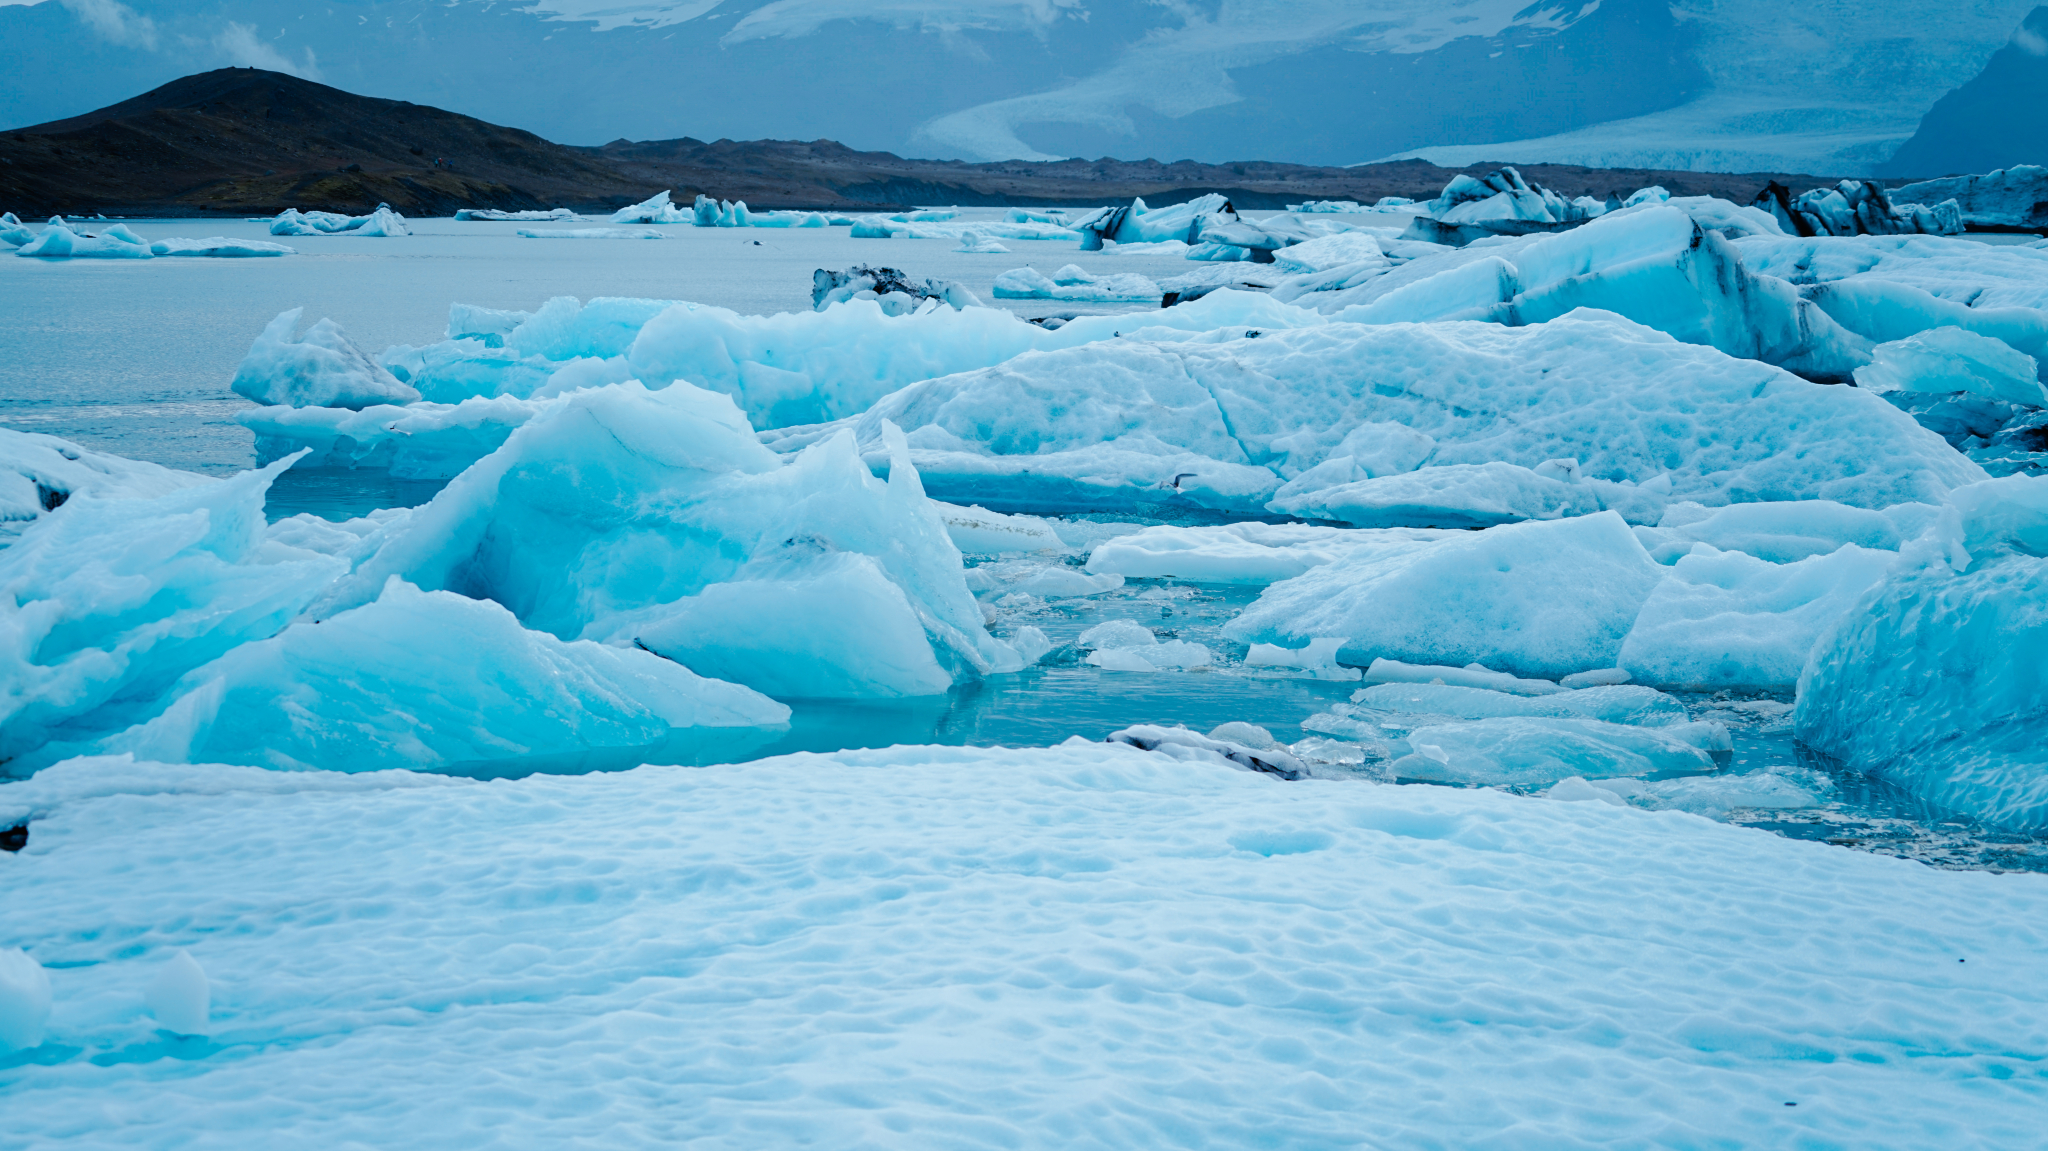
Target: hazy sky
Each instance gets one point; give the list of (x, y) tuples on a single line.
[(1833, 84)]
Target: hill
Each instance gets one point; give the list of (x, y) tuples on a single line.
[(1998, 119), (244, 141)]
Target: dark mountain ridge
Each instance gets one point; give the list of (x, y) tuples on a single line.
[(244, 141)]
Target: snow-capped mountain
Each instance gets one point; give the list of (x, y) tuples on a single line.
[(1826, 86)]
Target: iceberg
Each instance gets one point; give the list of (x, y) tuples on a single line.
[(621, 515), (422, 440), (1539, 752), (1224, 420), (1933, 680), (896, 292), (1356, 251), (974, 242), (1728, 620), (13, 232), (381, 222), (656, 209), (1954, 360), (1540, 599), (39, 474), (60, 241), (2014, 198), (106, 603), (427, 680), (1855, 208), (1627, 704), (1784, 532), (320, 368), (1136, 223), (523, 217), (1072, 283)]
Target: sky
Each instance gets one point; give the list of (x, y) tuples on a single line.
[(1825, 86)]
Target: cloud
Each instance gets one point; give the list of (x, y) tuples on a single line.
[(239, 44), (116, 22)]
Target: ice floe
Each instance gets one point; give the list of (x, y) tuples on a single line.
[(420, 679), (1933, 680), (1538, 599), (320, 367), (522, 217), (667, 524), (381, 222)]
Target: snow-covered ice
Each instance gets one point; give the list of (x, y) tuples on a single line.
[(1934, 679), (321, 367), (996, 948), (1539, 599)]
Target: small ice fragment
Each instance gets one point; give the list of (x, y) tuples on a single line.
[(1471, 675), (1599, 677), (1031, 644), (180, 998)]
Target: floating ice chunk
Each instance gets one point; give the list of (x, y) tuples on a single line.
[(13, 232), (1072, 283), (1136, 223), (498, 214), (1319, 658), (1598, 677), (180, 996), (1053, 580), (1173, 655), (1654, 194), (1031, 644), (1933, 680), (593, 233), (1783, 532), (107, 602), (617, 508), (1537, 599), (657, 209), (1615, 703), (24, 1000), (1241, 553), (218, 246), (978, 531), (1117, 633), (491, 325), (39, 474), (1154, 417), (1248, 734), (973, 241), (1447, 496), (1954, 360), (1534, 752), (382, 222), (424, 680), (1332, 206), (1188, 746), (1472, 675), (1714, 796), (2002, 198), (322, 368), (415, 441), (1728, 620), (60, 241), (1342, 249), (897, 293)]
